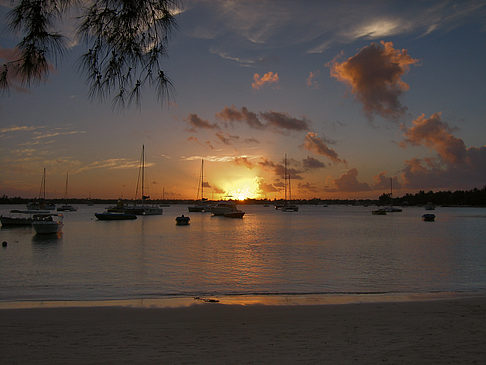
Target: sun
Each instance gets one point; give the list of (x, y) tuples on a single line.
[(247, 188)]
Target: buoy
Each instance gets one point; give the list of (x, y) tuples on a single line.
[(4, 244)]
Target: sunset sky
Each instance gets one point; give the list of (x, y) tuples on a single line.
[(353, 92)]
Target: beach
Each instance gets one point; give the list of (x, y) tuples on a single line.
[(445, 331)]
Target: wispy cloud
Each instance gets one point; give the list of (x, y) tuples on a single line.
[(112, 164), (55, 134), (20, 128)]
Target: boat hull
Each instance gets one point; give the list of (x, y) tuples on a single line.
[(15, 222), (114, 216), (238, 214), (47, 227)]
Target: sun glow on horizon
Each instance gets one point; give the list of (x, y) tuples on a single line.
[(246, 188)]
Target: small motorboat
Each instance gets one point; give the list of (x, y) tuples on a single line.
[(235, 214), (428, 217), (378, 212), (66, 208), (114, 216), (182, 220), (47, 223)]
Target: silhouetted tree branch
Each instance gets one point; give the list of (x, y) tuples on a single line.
[(126, 42)]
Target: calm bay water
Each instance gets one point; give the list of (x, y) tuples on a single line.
[(335, 249)]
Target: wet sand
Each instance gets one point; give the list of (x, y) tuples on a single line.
[(450, 331)]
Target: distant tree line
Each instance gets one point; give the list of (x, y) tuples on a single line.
[(474, 197)]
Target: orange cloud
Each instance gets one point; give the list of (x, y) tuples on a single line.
[(455, 167), (374, 75), (315, 144), (311, 80), (244, 161), (435, 133), (268, 78)]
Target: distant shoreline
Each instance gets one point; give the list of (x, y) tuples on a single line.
[(267, 299)]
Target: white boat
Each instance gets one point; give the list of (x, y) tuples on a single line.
[(47, 223), (41, 203), (201, 205), (227, 209), (287, 205), (142, 208), (66, 207)]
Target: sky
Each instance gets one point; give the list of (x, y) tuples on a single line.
[(355, 93)]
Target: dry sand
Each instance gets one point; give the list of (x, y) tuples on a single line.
[(449, 331)]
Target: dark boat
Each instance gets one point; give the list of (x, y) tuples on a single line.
[(17, 219), (182, 220), (114, 216), (428, 217)]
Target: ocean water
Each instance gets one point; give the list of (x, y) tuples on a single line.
[(318, 250)]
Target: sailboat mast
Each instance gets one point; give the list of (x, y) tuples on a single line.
[(143, 171), (202, 179), (44, 184), (285, 176), (65, 190)]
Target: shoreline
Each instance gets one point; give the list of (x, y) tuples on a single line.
[(244, 300), (435, 331)]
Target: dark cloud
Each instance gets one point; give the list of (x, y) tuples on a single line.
[(231, 114), (348, 183), (374, 75), (310, 163), (315, 144), (279, 169), (285, 121), (251, 140), (198, 123), (226, 138)]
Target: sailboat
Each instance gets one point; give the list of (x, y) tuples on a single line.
[(391, 208), (288, 206), (143, 208), (41, 203), (66, 207), (201, 205)]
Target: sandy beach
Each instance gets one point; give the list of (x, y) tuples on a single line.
[(451, 331)]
